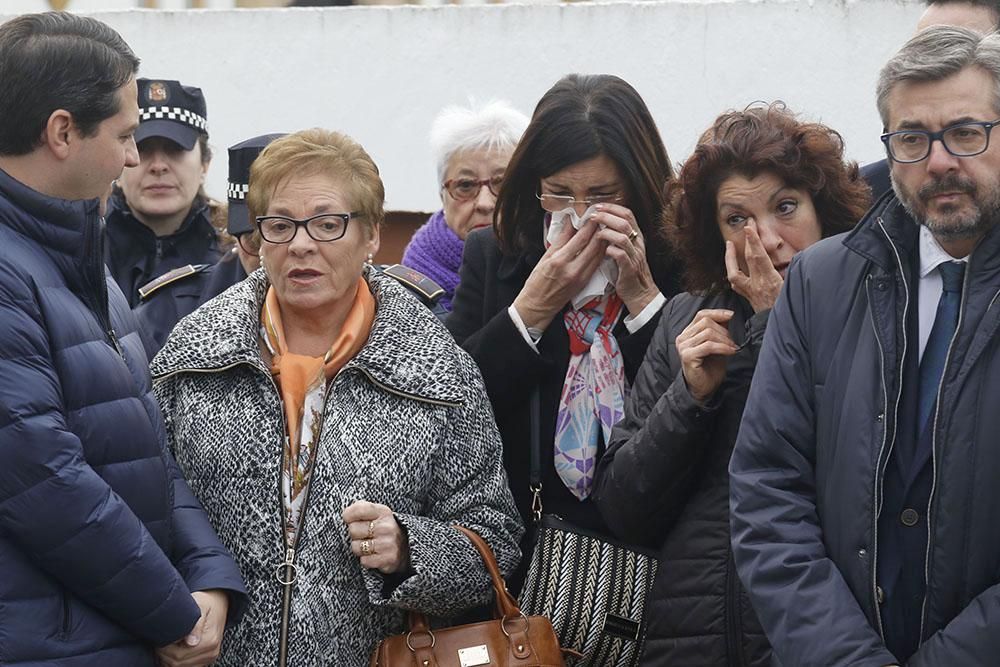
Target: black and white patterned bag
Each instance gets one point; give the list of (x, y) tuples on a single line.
[(593, 590)]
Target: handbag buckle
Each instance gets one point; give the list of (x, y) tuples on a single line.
[(413, 649), (503, 622), (536, 501)]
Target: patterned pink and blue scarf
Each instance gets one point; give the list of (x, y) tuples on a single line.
[(593, 396)]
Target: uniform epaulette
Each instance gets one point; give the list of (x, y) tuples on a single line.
[(415, 280), (171, 276)]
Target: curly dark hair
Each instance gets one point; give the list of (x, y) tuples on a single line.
[(759, 139)]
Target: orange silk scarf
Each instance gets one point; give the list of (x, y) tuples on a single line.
[(296, 373)]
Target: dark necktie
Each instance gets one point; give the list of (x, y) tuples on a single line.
[(945, 321)]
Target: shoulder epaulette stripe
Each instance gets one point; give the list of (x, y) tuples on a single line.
[(170, 277), (415, 280)]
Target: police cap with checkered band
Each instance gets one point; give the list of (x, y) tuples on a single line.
[(171, 110), (241, 156)]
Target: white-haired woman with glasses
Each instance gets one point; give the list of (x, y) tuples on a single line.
[(472, 146), (331, 427)]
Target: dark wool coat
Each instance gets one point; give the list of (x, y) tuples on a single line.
[(101, 540), (818, 431), (664, 483)]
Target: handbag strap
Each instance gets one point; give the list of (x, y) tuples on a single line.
[(535, 471), (506, 606)]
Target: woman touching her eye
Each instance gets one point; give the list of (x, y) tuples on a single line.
[(561, 297), (760, 187)]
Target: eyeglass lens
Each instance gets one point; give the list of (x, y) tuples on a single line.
[(468, 188), (319, 228), (556, 203), (960, 140)]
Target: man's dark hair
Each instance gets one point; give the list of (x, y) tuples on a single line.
[(57, 60)]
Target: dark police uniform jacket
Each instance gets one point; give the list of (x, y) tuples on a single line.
[(135, 255)]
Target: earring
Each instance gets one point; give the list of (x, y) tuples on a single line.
[(368, 262)]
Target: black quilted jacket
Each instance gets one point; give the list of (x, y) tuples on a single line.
[(663, 482)]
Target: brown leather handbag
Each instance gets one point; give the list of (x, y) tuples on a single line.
[(511, 639)]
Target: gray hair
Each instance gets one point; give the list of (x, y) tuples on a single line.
[(988, 4), (937, 53), (494, 126)]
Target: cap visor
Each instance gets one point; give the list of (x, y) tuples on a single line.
[(183, 135), (239, 218)]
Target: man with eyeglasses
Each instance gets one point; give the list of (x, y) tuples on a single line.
[(864, 490), (983, 16)]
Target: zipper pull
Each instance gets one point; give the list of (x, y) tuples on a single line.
[(286, 573), (116, 343)]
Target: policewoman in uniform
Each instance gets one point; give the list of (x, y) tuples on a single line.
[(169, 297), (159, 217)]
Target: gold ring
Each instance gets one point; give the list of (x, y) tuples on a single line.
[(371, 529), (366, 548), (634, 235)]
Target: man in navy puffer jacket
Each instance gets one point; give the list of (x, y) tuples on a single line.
[(105, 556)]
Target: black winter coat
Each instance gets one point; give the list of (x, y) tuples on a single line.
[(818, 431), (488, 284), (101, 540), (664, 483), (136, 255)]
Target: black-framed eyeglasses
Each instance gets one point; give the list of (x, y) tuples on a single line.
[(556, 203), (960, 139), (464, 189), (250, 245), (323, 227)]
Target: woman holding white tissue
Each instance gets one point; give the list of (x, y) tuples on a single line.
[(560, 298)]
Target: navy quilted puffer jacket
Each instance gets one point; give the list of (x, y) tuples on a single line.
[(101, 540)]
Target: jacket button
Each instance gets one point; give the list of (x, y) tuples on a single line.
[(862, 553), (879, 594), (879, 417), (909, 517)]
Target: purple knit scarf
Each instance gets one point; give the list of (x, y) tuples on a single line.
[(436, 251)]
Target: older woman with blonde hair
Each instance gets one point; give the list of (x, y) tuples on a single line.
[(331, 427)]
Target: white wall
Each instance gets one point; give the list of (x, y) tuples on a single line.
[(381, 73)]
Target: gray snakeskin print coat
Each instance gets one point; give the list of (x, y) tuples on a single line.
[(407, 424)]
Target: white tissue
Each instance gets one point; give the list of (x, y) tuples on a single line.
[(603, 280)]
